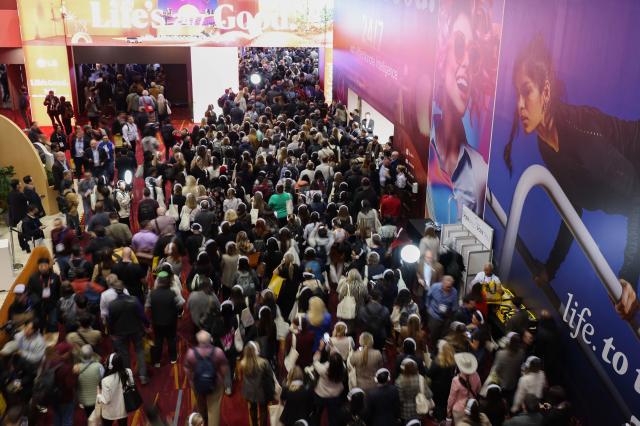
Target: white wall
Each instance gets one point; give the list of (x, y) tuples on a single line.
[(213, 69), (383, 128)]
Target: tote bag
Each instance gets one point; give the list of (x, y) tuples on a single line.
[(347, 307), (275, 285), (292, 357), (173, 210)]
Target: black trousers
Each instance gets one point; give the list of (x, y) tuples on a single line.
[(79, 163), (162, 333)]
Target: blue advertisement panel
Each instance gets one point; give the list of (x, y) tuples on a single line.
[(563, 191)]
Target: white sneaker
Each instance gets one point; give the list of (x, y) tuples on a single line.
[(156, 365)]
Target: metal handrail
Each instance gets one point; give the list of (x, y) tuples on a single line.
[(538, 175), (555, 301)]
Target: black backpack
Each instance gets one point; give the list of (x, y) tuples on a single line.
[(45, 388), (77, 269), (204, 375)]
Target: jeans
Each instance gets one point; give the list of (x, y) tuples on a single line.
[(121, 345), (63, 264), (119, 422), (162, 333), (63, 414)]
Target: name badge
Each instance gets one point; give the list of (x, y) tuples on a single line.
[(46, 293), (443, 308), (59, 247)]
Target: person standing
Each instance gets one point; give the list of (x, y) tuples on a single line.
[(24, 105), (44, 292), (111, 394), (95, 159), (66, 112), (164, 318), (206, 367), (442, 301), (258, 384), (62, 239), (32, 196), (59, 167), (127, 322), (18, 205), (131, 274), (130, 132), (78, 145), (384, 400), (109, 163), (52, 103), (89, 372)]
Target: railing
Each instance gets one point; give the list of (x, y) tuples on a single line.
[(537, 175)]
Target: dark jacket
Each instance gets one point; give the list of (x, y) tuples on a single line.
[(18, 204), (375, 319), (383, 404), (36, 284), (298, 404), (164, 309), (58, 172), (88, 157), (34, 199), (206, 219), (126, 316)]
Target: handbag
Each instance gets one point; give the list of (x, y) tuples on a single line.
[(254, 213), (289, 206), (282, 328), (185, 220), (173, 210), (275, 284), (95, 419), (423, 405), (347, 307), (292, 357), (275, 411), (351, 371), (238, 340), (132, 398)]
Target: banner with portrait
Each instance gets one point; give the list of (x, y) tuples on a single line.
[(563, 192), (465, 81)]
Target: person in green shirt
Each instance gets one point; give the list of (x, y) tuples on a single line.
[(278, 203)]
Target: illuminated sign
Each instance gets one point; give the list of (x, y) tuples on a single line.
[(199, 22)]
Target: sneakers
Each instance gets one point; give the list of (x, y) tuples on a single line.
[(174, 361), (156, 365), (227, 391)]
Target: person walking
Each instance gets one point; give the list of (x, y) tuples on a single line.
[(206, 367), (111, 394), (164, 317), (127, 322), (258, 384), (89, 372)]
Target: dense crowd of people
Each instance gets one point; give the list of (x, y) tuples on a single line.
[(272, 233)]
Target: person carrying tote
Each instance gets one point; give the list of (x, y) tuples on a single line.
[(111, 394)]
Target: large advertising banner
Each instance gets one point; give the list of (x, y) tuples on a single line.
[(45, 54), (465, 82), (563, 192), (384, 51), (273, 23)]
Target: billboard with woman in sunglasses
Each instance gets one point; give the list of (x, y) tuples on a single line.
[(465, 78)]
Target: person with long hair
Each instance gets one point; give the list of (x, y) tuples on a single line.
[(494, 406), (289, 288), (441, 373), (366, 360), (319, 319), (111, 392), (330, 385), (473, 416), (258, 383), (583, 148)]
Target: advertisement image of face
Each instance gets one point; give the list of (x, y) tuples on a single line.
[(465, 82)]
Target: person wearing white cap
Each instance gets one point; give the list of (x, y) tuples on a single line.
[(89, 372), (21, 308), (466, 384), (383, 400), (533, 381), (473, 416)]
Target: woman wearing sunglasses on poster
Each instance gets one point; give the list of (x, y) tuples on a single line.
[(465, 82), (594, 157)]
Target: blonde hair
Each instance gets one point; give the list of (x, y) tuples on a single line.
[(251, 361), (366, 341), (445, 356), (295, 374), (191, 201), (340, 329), (316, 311)]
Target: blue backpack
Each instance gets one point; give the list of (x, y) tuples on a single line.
[(204, 375)]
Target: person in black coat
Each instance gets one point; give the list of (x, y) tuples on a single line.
[(94, 158), (383, 401), (18, 205), (297, 398), (44, 292), (32, 196), (164, 317), (60, 165), (31, 225)]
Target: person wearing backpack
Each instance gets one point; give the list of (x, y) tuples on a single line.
[(206, 366)]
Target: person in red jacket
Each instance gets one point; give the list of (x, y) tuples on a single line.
[(390, 204)]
